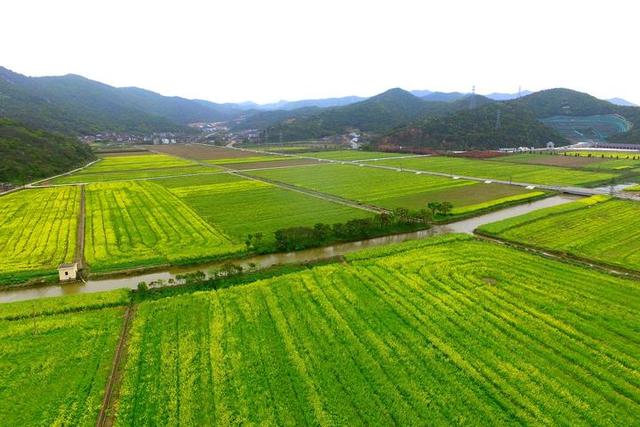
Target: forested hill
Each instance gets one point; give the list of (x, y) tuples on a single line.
[(76, 105), (27, 154), (491, 126), (377, 114)]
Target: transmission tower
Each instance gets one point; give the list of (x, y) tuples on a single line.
[(472, 100)]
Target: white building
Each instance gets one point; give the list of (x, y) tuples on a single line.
[(68, 271)]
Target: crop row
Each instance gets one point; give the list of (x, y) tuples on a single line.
[(37, 231), (141, 223), (241, 206), (53, 369), (449, 329), (392, 189), (603, 230), (500, 170)]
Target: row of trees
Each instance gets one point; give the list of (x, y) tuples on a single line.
[(397, 221)]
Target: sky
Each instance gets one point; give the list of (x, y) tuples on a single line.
[(264, 51)]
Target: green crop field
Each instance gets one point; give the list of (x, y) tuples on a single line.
[(53, 369), (242, 206), (350, 155), (391, 189), (445, 331), (37, 232), (139, 166), (610, 154), (134, 224), (251, 159), (548, 159), (597, 228), (89, 177), (137, 162), (500, 170)]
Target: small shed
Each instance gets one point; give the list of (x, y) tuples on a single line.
[(550, 145), (68, 271)]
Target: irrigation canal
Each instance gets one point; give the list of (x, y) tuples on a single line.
[(265, 261)]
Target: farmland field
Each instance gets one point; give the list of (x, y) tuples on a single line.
[(90, 177), (387, 188), (500, 170), (447, 330), (138, 166), (37, 232), (137, 162), (597, 228), (550, 160), (205, 152), (53, 369), (271, 163), (241, 206), (350, 155), (133, 224), (249, 159), (629, 155)]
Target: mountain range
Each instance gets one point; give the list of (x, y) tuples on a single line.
[(75, 105)]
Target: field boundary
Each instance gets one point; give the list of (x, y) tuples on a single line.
[(314, 193), (583, 262), (104, 418), (79, 255)]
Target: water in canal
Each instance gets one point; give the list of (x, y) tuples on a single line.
[(265, 261)]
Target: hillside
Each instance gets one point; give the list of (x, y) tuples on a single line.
[(27, 154), (377, 114), (475, 129), (77, 105), (555, 103)]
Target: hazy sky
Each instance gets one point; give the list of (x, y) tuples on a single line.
[(240, 50)]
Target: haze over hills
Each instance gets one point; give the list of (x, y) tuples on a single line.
[(78, 106)]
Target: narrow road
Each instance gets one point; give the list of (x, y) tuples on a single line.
[(104, 417), (79, 255), (312, 193), (578, 191)]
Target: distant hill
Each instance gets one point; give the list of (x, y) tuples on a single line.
[(621, 102), (305, 103), (554, 103), (77, 105), (376, 114), (28, 154), (444, 96), (491, 126), (498, 96), (557, 102)]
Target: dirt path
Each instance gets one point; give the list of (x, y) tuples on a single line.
[(106, 416), (317, 194), (79, 255)]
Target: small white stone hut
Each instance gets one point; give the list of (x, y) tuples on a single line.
[(68, 271)]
